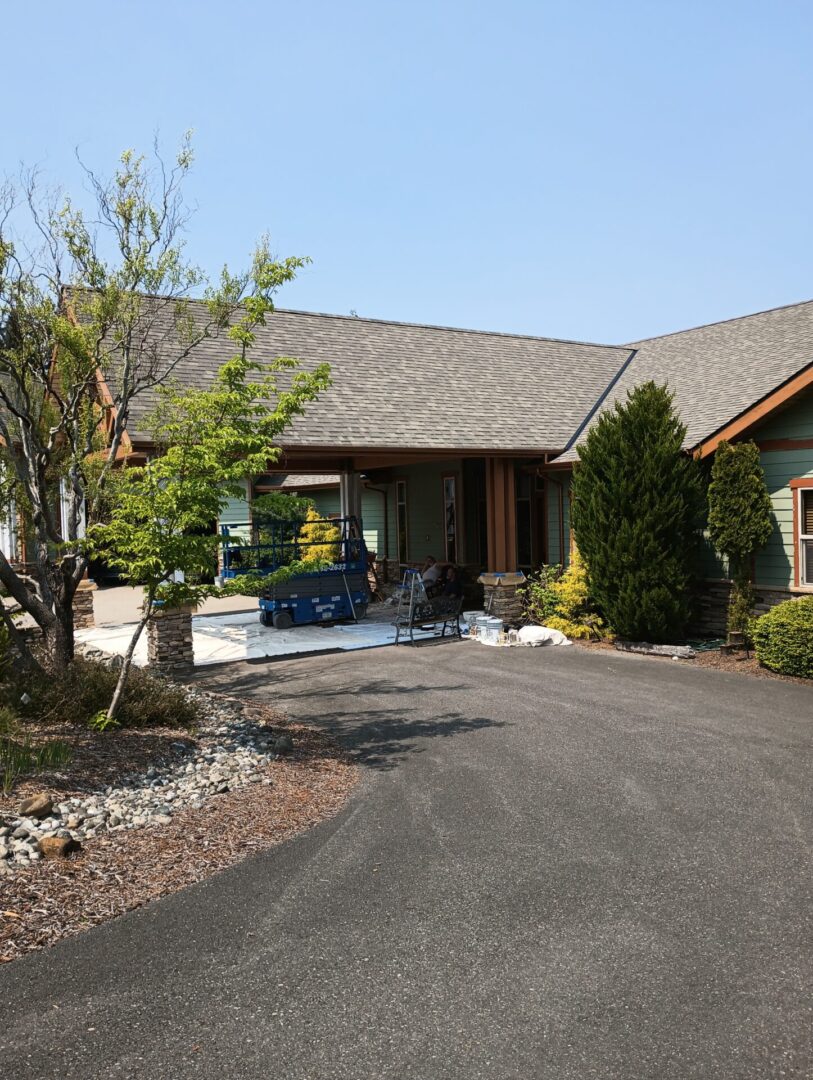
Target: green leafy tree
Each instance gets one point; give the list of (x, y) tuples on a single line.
[(208, 440), (94, 314), (637, 505), (740, 520)]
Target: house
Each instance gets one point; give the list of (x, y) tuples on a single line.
[(461, 443)]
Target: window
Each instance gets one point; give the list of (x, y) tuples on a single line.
[(401, 521), (450, 517), (524, 489), (804, 519)]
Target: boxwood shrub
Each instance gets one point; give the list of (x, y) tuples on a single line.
[(783, 638)]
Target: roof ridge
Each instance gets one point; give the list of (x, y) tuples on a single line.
[(719, 322), (449, 329)]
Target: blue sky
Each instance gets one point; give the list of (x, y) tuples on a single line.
[(599, 170)]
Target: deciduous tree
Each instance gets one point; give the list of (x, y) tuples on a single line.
[(95, 312)]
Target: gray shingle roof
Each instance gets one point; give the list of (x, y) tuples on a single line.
[(300, 481), (424, 387), (720, 370)]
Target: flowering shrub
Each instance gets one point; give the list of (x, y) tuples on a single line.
[(561, 601)]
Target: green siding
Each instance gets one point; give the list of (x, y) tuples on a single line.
[(372, 519), (712, 564), (328, 502), (237, 512), (795, 422), (775, 561), (774, 564), (425, 509)]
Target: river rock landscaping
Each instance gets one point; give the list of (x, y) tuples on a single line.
[(230, 751), (246, 779)]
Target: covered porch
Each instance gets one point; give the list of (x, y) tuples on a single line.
[(494, 512)]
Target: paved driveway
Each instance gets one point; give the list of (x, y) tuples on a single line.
[(559, 864)]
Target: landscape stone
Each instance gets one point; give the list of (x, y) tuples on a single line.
[(37, 806), (58, 847)]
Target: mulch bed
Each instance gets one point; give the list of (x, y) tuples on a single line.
[(742, 665), (116, 872), (711, 658)]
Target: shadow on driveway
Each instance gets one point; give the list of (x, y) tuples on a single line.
[(378, 737)]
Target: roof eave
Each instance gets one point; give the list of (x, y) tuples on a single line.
[(756, 413)]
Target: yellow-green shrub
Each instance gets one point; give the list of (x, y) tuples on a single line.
[(572, 611), (321, 539), (783, 638)]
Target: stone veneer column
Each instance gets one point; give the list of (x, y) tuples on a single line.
[(169, 639), (83, 606), (503, 602)]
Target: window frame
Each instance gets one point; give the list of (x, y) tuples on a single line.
[(402, 556), (455, 478), (800, 487)]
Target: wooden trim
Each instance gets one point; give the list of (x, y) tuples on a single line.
[(545, 537), (432, 452), (783, 394), (501, 514), (457, 532), (401, 480), (768, 445), (797, 486)]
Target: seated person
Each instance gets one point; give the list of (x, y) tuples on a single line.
[(430, 572), (453, 586)]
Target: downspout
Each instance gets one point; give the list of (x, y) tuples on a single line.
[(385, 493)]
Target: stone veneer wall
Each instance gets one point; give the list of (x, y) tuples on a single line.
[(503, 602), (169, 640), (714, 598)]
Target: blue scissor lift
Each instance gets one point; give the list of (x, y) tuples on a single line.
[(338, 592)]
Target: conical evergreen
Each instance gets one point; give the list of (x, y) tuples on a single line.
[(740, 520), (637, 504)]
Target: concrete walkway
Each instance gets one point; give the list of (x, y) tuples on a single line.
[(560, 864), (122, 604), (226, 638)]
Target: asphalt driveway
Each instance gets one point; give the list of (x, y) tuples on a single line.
[(559, 864)]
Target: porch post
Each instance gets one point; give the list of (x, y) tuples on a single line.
[(350, 495), (501, 514)]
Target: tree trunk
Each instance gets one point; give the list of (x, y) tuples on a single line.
[(58, 638), (124, 671)]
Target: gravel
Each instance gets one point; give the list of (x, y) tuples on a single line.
[(230, 751)]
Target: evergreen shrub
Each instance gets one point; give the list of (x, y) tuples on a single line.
[(783, 638)]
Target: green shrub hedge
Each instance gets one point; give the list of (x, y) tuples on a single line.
[(783, 638)]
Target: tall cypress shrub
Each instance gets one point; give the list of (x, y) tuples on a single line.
[(740, 521), (636, 516)]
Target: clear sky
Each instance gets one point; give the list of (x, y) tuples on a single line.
[(599, 170)]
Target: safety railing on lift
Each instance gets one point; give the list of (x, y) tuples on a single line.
[(280, 543)]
